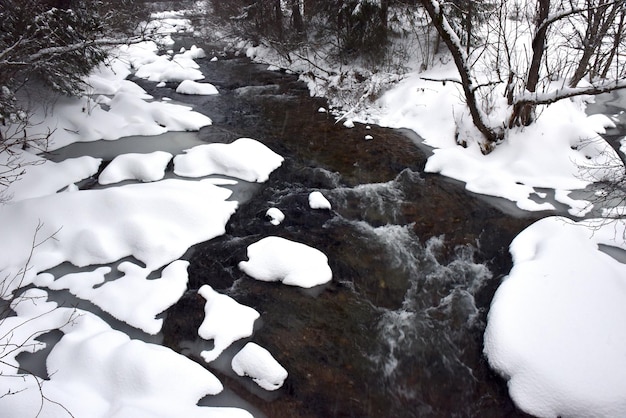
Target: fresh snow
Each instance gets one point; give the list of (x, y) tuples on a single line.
[(119, 297), (259, 364), (192, 87), (58, 175), (142, 167), (555, 328), (118, 248), (318, 201), (225, 321), (97, 371), (246, 159), (293, 263), (276, 216)]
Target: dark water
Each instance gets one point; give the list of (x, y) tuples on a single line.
[(416, 260)]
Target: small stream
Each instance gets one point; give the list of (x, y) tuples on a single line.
[(415, 258)]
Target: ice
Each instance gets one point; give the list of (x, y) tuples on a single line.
[(245, 158), (258, 363), (191, 87), (318, 201), (554, 325), (133, 166), (225, 321), (278, 259)]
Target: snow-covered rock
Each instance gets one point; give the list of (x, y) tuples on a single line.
[(293, 263), (259, 364)]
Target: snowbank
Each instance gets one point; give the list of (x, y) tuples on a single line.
[(258, 363), (293, 263), (119, 297), (96, 371), (555, 328), (153, 222), (561, 151), (245, 158)]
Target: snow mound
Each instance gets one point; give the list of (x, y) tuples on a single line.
[(191, 87), (275, 215), (245, 158), (293, 263), (143, 167), (225, 321), (552, 324), (318, 201), (258, 363)]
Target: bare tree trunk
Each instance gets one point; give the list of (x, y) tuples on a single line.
[(597, 27), (616, 41), (524, 113), (459, 55)]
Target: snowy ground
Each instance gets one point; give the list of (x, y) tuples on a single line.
[(555, 329), (126, 242)]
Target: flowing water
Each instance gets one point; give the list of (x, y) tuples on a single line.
[(415, 259)]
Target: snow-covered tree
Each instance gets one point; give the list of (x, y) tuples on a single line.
[(586, 40), (54, 43)]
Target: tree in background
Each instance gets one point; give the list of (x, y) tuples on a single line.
[(515, 53), (55, 43)]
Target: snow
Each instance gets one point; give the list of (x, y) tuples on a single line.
[(96, 371), (192, 87), (119, 297), (133, 166), (258, 363), (245, 158), (293, 263), (58, 175), (275, 215), (554, 328), (118, 248), (225, 321), (554, 325), (153, 222), (318, 201)]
